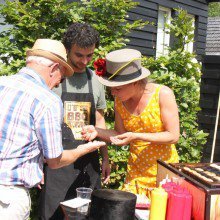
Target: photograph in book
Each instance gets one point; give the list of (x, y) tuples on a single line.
[(76, 115)]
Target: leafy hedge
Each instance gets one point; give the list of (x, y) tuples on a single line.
[(214, 9)]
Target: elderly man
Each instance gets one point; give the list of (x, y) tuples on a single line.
[(30, 126)]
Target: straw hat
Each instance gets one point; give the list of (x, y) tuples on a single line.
[(53, 50), (123, 67)]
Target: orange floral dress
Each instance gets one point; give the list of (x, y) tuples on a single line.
[(142, 161)]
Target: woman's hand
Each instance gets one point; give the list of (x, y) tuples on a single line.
[(89, 133), (123, 139)]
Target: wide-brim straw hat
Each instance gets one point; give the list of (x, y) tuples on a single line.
[(53, 50), (123, 67)]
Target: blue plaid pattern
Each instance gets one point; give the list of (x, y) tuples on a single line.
[(30, 127)]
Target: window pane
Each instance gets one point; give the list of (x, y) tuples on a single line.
[(163, 38), (189, 46)]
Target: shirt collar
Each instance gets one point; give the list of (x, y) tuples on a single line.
[(32, 73)]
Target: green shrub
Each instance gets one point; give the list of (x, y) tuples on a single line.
[(180, 71), (214, 9)]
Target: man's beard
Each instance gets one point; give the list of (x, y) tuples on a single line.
[(76, 67), (72, 63)]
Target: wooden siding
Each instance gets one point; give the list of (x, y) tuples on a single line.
[(210, 86), (147, 10), (213, 36)]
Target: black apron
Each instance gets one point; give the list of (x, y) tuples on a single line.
[(61, 184)]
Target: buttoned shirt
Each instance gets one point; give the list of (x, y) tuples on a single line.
[(30, 127)]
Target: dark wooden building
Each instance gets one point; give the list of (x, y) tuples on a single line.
[(210, 88), (159, 11)]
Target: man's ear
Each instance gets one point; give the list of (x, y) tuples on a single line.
[(54, 67)]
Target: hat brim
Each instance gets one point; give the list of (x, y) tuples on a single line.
[(110, 83), (69, 70)]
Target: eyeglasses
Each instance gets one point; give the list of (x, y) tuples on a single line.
[(62, 79)]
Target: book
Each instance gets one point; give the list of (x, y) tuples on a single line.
[(76, 116)]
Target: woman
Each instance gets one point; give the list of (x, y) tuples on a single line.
[(146, 117)]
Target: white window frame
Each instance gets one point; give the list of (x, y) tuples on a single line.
[(189, 47), (163, 38)]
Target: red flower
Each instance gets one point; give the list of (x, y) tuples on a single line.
[(100, 67)]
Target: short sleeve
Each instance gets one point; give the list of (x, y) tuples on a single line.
[(101, 102), (49, 131)]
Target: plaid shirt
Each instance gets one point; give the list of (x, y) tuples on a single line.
[(30, 127)]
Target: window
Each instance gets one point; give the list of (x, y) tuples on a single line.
[(163, 38), (189, 46)]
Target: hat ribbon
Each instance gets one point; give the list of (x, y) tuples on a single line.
[(117, 71), (50, 53)]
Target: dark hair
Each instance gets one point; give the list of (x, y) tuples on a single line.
[(81, 34)]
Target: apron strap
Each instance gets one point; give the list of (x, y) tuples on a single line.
[(63, 84), (89, 76), (88, 72)]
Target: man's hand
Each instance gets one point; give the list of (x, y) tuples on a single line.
[(41, 182), (89, 133), (123, 139), (91, 146), (70, 156), (106, 170)]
